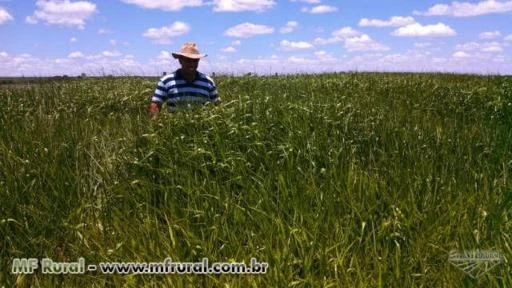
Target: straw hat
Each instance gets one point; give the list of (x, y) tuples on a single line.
[(189, 50)]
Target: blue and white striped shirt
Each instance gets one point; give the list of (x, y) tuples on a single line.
[(174, 90)]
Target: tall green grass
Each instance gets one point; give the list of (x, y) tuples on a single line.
[(335, 180)]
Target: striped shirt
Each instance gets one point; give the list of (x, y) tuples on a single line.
[(174, 90)]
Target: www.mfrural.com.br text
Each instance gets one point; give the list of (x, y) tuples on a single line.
[(48, 266)]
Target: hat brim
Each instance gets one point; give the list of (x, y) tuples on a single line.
[(176, 55)]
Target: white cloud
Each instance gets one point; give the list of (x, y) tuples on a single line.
[(111, 53), (104, 31), (345, 32), (76, 54), (73, 39), (62, 12), (324, 56), (166, 5), (489, 35), (493, 47), (62, 61), (242, 5), (165, 56), (236, 43), (338, 36), (317, 62), (229, 49), (320, 9), (320, 53), (468, 46), (113, 42), (5, 16), (288, 45), (508, 38), (164, 34), (465, 9), (395, 21), (289, 27), (323, 41), (299, 60), (247, 30), (364, 43), (422, 44), (461, 54), (418, 30), (307, 1), (489, 47), (74, 64)]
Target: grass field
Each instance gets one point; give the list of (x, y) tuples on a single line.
[(336, 180)]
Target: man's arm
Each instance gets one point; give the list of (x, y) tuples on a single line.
[(157, 99), (214, 95)]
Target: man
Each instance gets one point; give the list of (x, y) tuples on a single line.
[(185, 86)]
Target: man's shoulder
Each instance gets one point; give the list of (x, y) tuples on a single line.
[(169, 77), (205, 77)]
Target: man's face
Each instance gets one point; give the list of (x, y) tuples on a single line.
[(189, 65)]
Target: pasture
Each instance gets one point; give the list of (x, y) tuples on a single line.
[(334, 180)]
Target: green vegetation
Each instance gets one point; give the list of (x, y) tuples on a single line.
[(339, 180)]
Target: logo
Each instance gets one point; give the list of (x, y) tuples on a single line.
[(475, 263)]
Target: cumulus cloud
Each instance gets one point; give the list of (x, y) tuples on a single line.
[(74, 64), (489, 47), (413, 60), (166, 5), (320, 53), (104, 31), (165, 56), (289, 27), (325, 41), (364, 43), (338, 36), (353, 40), (320, 9), (229, 49), (5, 16), (164, 35), (307, 1), (242, 5), (418, 30), (289, 45), (345, 32), (422, 44), (247, 30), (466, 9), (493, 47), (489, 35), (324, 56), (299, 60), (461, 54), (73, 39), (111, 53), (76, 54), (62, 12), (395, 21)]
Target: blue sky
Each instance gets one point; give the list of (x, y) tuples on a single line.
[(136, 37)]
